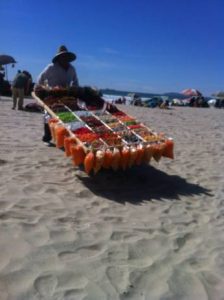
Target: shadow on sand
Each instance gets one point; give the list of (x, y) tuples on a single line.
[(140, 184)]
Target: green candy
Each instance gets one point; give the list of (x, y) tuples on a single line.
[(66, 117)]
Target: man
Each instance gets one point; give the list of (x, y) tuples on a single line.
[(61, 74), (19, 85)]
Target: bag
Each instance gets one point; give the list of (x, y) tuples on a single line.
[(33, 107)]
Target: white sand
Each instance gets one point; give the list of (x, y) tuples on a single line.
[(152, 232)]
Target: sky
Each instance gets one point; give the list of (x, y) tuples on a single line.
[(153, 46)]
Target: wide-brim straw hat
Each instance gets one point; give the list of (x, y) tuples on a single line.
[(63, 51)]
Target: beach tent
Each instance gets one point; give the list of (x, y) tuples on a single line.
[(6, 60), (211, 102), (219, 95), (191, 93), (177, 102)]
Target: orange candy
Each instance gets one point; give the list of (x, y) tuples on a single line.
[(125, 156), (68, 143), (52, 125), (107, 159), (168, 151), (149, 150), (116, 159), (158, 151), (133, 156), (89, 162), (61, 133), (140, 154), (99, 158), (78, 155)]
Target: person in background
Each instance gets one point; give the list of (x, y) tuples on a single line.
[(29, 82), (164, 104), (2, 75), (18, 87), (60, 73)]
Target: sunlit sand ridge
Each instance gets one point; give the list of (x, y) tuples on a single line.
[(152, 232)]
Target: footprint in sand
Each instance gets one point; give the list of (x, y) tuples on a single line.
[(86, 252), (90, 251), (67, 256), (46, 285), (119, 278), (3, 291), (85, 193), (3, 162), (5, 205), (114, 219), (124, 236), (74, 294), (181, 241)]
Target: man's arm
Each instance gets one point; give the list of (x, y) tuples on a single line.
[(44, 75), (41, 78), (75, 81)]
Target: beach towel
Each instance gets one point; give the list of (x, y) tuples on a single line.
[(33, 107)]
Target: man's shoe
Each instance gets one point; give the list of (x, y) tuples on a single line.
[(49, 144)]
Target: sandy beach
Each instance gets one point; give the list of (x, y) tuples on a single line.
[(152, 232)]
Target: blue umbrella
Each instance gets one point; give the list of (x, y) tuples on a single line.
[(6, 60)]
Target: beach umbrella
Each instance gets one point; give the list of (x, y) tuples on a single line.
[(6, 59), (191, 93)]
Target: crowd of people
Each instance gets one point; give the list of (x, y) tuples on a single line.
[(194, 101), (198, 101), (219, 103)]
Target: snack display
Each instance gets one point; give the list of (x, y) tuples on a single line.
[(100, 136)]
